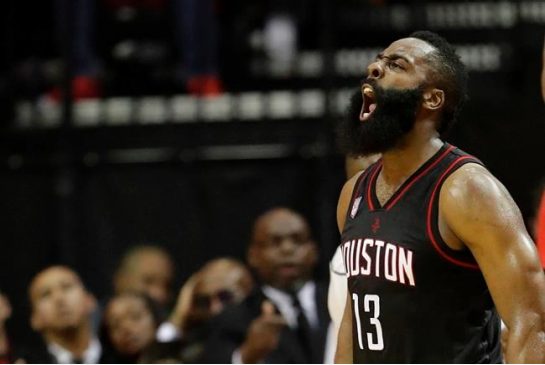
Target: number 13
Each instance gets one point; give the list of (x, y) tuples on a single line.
[(367, 299)]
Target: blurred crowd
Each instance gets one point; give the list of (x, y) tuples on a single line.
[(268, 310), (103, 48)]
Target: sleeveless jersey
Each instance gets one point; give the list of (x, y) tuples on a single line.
[(414, 300)]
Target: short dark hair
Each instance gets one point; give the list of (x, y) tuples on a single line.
[(450, 74)]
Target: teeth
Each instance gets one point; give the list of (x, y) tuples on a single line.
[(368, 91)]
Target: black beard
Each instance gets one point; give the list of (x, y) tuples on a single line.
[(393, 118)]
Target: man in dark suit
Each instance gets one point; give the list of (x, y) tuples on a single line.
[(285, 320)]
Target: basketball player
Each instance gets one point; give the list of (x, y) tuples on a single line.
[(434, 246)]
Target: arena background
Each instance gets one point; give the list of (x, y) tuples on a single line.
[(82, 182)]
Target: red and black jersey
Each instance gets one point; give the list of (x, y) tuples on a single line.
[(414, 299)]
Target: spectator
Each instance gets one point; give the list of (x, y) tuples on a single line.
[(285, 320), (146, 269), (195, 28), (196, 38), (219, 283), (61, 313), (79, 38), (129, 326)]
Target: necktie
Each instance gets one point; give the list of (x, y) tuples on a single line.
[(303, 330)]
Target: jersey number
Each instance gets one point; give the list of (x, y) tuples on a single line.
[(375, 342)]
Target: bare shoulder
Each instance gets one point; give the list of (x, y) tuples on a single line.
[(344, 199), (474, 204), (473, 187)]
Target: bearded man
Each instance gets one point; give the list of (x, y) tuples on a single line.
[(434, 247)]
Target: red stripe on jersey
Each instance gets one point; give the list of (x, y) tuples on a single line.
[(372, 180), (434, 242), (358, 186), (416, 178)]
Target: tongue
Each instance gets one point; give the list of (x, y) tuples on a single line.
[(367, 114)]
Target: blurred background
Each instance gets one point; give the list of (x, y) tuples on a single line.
[(176, 122)]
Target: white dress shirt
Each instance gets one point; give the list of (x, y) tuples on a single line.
[(63, 356), (283, 302)]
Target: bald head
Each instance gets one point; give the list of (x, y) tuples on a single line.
[(146, 269), (219, 283), (277, 219), (224, 274)]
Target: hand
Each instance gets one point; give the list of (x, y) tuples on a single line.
[(263, 335), (180, 315)]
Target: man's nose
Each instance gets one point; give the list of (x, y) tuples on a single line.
[(375, 70), (58, 297), (158, 293), (125, 328), (287, 244)]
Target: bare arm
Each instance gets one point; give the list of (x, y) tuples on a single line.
[(343, 355), (479, 211), (344, 200)]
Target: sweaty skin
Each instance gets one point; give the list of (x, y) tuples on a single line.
[(475, 211)]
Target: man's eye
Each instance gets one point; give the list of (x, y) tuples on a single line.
[(394, 65)]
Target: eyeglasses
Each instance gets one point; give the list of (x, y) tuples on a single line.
[(203, 301)]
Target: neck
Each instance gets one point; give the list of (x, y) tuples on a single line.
[(416, 148), (75, 340)]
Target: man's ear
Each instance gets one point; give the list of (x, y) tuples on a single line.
[(433, 99)]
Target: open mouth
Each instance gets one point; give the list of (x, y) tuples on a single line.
[(369, 102)]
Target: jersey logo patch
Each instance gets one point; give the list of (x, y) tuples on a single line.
[(355, 207), (376, 225)]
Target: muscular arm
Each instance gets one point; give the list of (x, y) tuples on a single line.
[(344, 339), (344, 200), (478, 210)]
